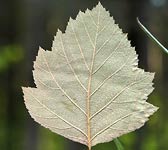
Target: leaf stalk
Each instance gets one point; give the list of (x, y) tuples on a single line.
[(151, 36)]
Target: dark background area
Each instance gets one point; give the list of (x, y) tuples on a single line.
[(27, 24)]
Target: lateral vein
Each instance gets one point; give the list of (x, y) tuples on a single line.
[(44, 106), (61, 87), (69, 64), (81, 51)]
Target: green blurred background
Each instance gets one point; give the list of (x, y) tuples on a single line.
[(27, 24)]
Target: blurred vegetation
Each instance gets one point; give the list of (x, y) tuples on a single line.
[(10, 54), (26, 25)]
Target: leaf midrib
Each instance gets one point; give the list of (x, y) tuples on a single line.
[(89, 82)]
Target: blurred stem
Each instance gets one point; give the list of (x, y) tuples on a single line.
[(118, 144), (151, 36)]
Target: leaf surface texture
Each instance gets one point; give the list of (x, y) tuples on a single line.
[(89, 88)]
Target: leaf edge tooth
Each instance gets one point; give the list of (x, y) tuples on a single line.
[(142, 123), (37, 122)]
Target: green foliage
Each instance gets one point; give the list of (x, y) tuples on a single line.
[(9, 55), (50, 141)]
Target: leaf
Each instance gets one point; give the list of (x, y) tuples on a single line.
[(89, 88)]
